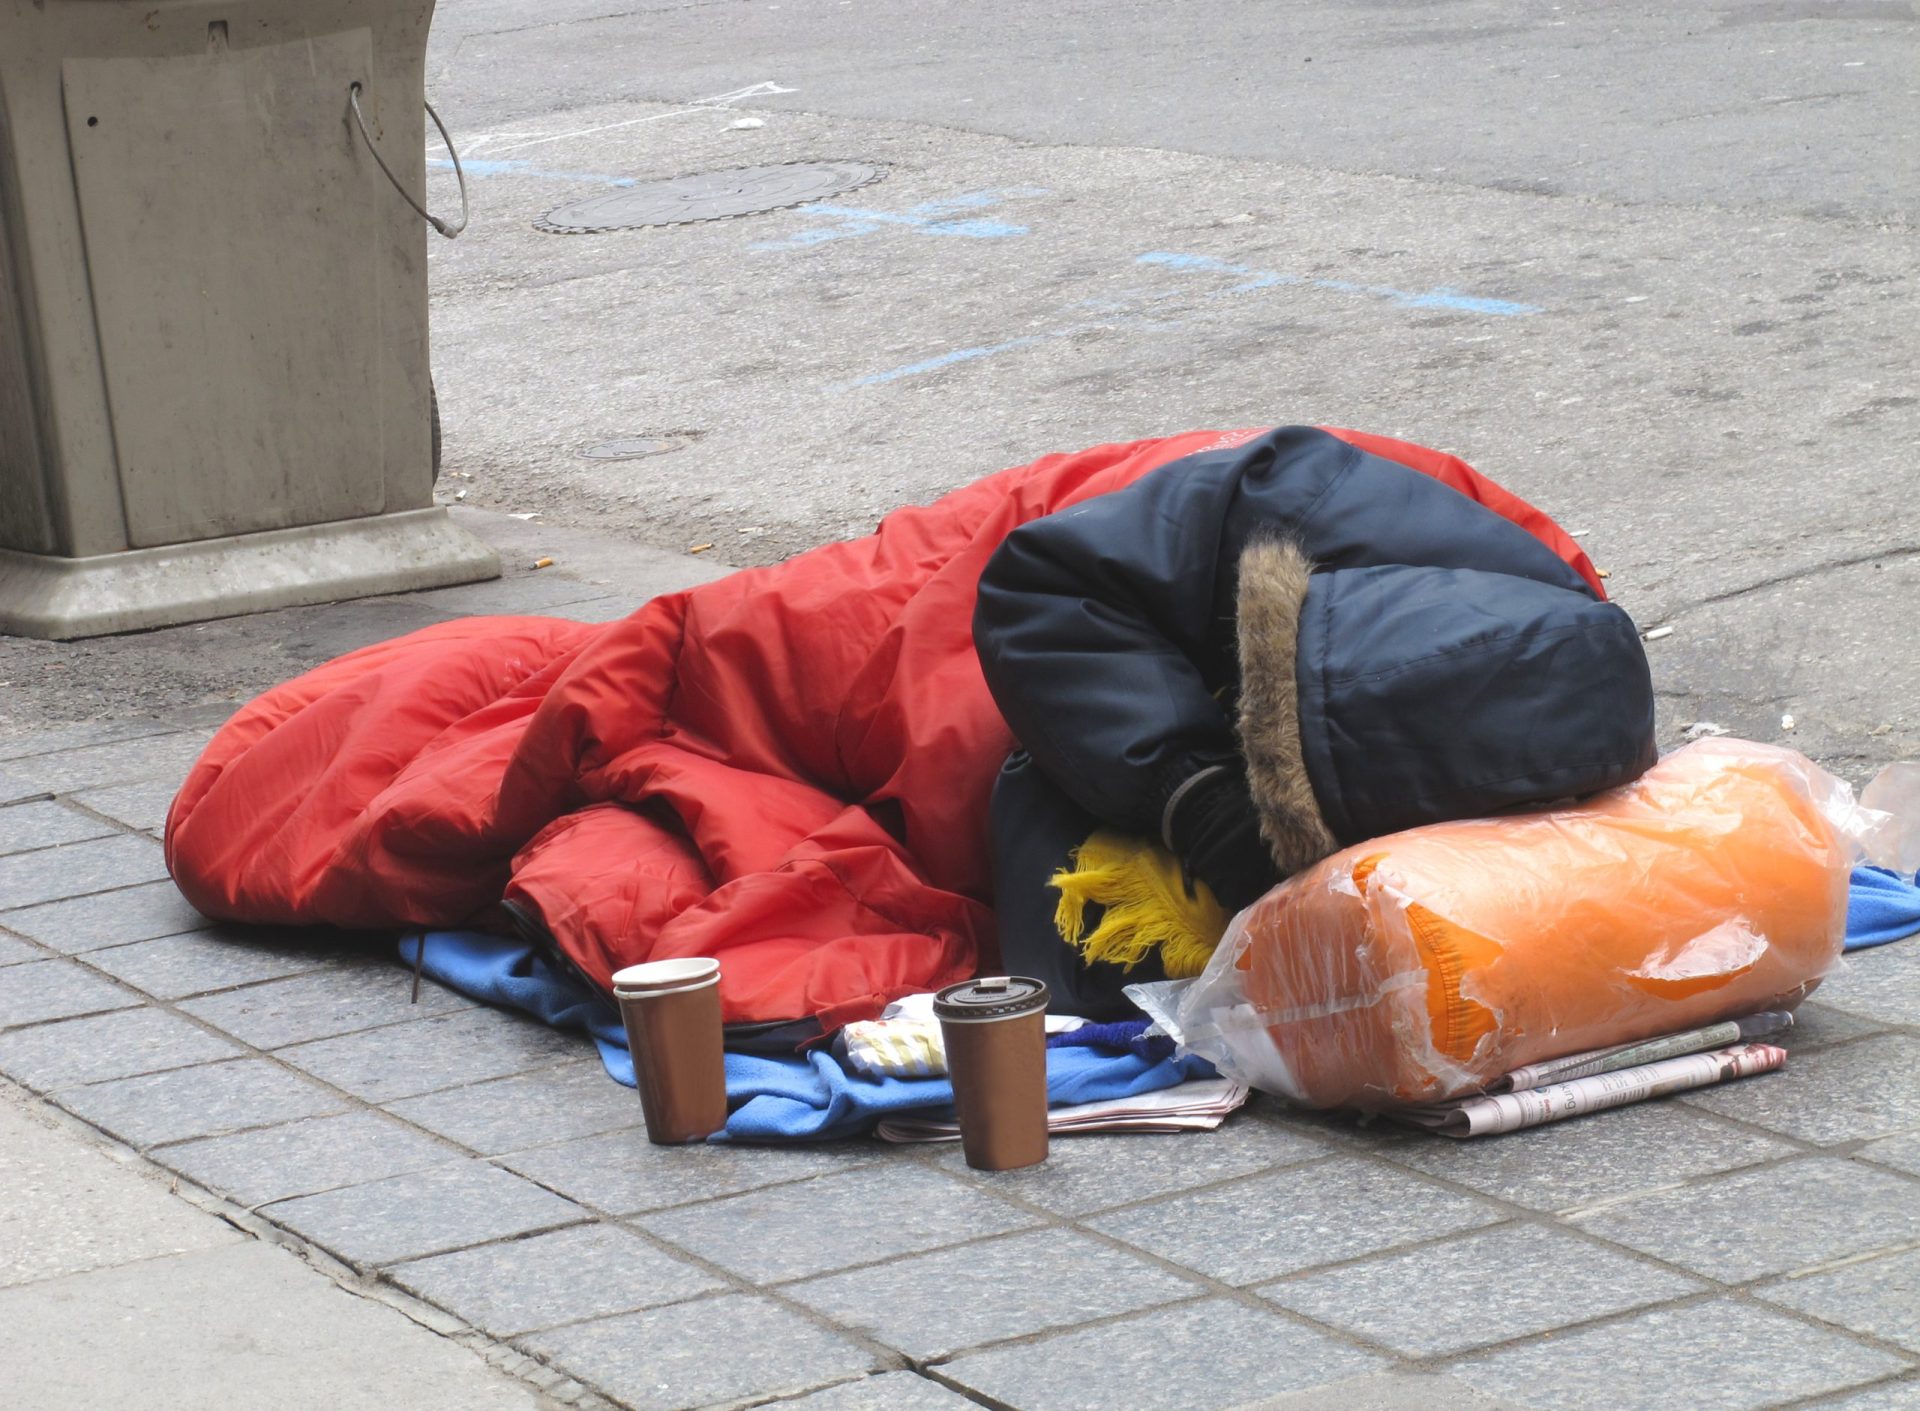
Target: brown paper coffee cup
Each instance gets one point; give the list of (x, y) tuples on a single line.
[(672, 1013), (995, 1031)]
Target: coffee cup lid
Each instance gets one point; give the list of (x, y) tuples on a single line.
[(666, 974), (990, 997)]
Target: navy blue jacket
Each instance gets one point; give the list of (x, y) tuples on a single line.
[(1298, 641)]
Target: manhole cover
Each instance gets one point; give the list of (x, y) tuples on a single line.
[(710, 195), (632, 448)]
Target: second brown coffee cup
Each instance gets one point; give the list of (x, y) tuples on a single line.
[(672, 1012), (995, 1032)]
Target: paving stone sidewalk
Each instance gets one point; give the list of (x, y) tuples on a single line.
[(1748, 1247)]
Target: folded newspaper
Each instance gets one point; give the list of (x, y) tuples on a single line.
[(1201, 1104), (1614, 1077)]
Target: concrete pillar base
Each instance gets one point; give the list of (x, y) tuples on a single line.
[(64, 598)]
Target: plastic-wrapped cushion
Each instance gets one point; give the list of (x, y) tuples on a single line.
[(1423, 965)]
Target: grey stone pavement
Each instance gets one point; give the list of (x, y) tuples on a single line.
[(1757, 1246), (1694, 223)]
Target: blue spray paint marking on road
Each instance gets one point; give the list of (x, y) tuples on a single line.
[(1437, 298), (1134, 309), (927, 218), (1207, 264), (473, 166), (958, 355)]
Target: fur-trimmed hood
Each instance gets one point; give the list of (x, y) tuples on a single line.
[(1381, 697), (1274, 577)]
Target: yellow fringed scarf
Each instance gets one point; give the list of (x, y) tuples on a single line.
[(1144, 903)]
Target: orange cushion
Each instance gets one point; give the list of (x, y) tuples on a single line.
[(1423, 965)]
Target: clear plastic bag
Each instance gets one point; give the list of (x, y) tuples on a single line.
[(1424, 965), (1895, 842)]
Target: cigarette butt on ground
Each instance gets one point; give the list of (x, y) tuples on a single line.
[(699, 548), (543, 563), (1658, 633), (1603, 573)]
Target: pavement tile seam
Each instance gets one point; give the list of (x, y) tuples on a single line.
[(119, 825), (884, 1358), (1860, 1151), (1569, 1223), (1870, 1029), (83, 958), (558, 1061), (118, 732), (61, 1098), (1747, 1297), (112, 826), (1594, 1207), (158, 1153), (81, 896), (1046, 1335), (732, 1282), (1761, 1285), (135, 1001), (928, 1151), (1873, 1027), (1027, 1231), (109, 826), (1225, 1182), (925, 1374), (135, 772), (933, 1374), (1511, 1209), (1509, 1212), (1346, 1337), (256, 984), (513, 1340), (1206, 1286), (321, 961), (76, 955), (613, 1216), (621, 1217), (1863, 1394), (377, 1268), (1802, 1145), (50, 1093), (40, 952), (1851, 1395), (555, 1369), (1726, 1287), (775, 1290), (1520, 1217), (1714, 1293), (1439, 1361)]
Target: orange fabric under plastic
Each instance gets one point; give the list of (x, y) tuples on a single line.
[(787, 769), (1426, 964)]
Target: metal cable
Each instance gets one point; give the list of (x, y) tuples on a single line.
[(449, 231)]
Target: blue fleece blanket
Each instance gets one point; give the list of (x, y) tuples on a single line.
[(1882, 906), (810, 1097), (813, 1097)]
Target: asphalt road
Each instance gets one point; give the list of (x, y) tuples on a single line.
[(1765, 105)]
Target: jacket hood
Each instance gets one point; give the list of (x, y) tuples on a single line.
[(1274, 577), (1380, 698)]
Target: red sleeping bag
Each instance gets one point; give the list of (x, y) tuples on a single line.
[(787, 769)]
